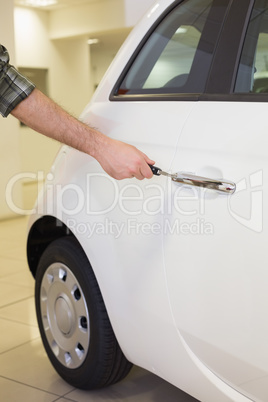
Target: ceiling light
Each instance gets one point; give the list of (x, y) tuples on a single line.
[(38, 3), (93, 41)]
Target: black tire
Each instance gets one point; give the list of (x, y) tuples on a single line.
[(73, 321)]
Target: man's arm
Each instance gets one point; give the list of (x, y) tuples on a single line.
[(18, 97), (118, 159)]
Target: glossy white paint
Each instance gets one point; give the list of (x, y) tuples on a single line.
[(181, 271), (220, 276)]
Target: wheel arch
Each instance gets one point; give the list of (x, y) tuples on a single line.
[(43, 232)]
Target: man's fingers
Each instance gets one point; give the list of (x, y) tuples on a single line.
[(146, 171), (123, 161)]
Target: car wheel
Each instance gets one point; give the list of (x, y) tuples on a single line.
[(73, 321)]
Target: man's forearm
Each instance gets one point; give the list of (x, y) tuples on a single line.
[(118, 159), (44, 116)]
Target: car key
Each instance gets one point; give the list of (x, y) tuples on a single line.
[(157, 172)]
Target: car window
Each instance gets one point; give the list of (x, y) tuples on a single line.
[(252, 74), (178, 54)]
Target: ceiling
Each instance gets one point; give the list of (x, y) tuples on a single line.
[(112, 39), (60, 3)]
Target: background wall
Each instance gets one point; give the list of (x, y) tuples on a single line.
[(10, 158), (56, 40), (34, 49)]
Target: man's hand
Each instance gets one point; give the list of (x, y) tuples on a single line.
[(121, 160)]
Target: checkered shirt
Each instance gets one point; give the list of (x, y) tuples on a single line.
[(13, 86)]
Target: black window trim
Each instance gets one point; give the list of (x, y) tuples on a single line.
[(228, 53), (204, 97), (234, 97), (232, 24), (226, 58)]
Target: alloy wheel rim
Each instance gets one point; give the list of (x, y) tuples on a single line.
[(64, 315)]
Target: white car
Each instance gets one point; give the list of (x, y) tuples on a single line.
[(170, 273)]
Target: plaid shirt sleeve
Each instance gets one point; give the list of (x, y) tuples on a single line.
[(13, 86)]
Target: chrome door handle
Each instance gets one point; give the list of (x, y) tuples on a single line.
[(220, 185)]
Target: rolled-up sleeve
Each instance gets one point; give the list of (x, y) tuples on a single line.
[(14, 87)]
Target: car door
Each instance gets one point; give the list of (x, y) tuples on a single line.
[(215, 243), (149, 106)]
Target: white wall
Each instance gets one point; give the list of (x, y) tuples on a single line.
[(9, 128), (67, 61), (70, 73), (33, 49), (31, 37)]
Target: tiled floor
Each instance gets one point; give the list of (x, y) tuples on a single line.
[(25, 371)]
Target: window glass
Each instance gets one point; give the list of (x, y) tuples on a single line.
[(176, 58), (178, 54), (252, 74)]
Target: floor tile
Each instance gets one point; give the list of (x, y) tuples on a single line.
[(64, 400), (22, 277), (29, 364), (13, 235), (10, 266), (9, 249), (21, 312), (15, 334), (14, 392), (138, 386), (13, 293)]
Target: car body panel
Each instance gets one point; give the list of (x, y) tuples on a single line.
[(181, 270), (135, 295), (215, 267)]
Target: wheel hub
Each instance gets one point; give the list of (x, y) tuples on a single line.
[(64, 316)]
